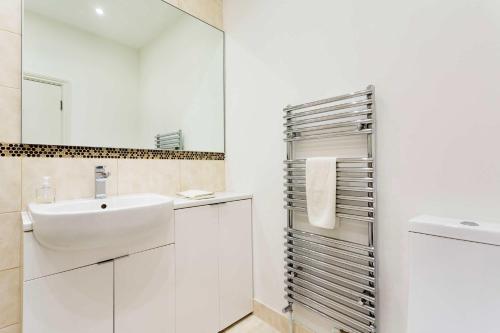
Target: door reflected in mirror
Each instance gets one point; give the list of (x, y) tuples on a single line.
[(126, 74)]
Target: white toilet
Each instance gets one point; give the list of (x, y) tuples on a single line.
[(454, 276)]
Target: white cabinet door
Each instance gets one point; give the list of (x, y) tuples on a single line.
[(235, 261), (196, 272), (77, 301), (144, 292)]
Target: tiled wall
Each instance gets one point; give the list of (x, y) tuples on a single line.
[(10, 168), (73, 178), (209, 11)]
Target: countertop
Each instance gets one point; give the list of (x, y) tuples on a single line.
[(179, 203)]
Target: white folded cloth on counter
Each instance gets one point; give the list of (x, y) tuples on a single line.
[(321, 189), (197, 194)]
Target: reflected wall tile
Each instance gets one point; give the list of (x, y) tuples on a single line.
[(173, 2), (10, 184), (10, 297), (209, 11), (10, 115), (10, 59), (72, 178), (148, 176), (10, 240), (203, 175), (10, 15)]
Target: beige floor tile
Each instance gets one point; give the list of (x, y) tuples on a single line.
[(203, 175), (10, 240), (10, 184), (148, 176), (251, 324), (10, 59), (10, 113), (72, 178), (11, 329), (10, 297), (10, 15)]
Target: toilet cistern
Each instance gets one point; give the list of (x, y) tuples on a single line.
[(101, 175)]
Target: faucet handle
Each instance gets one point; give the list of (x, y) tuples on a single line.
[(101, 171)]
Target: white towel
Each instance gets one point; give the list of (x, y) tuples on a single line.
[(321, 189), (197, 194)]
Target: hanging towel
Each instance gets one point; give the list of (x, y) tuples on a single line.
[(321, 189)]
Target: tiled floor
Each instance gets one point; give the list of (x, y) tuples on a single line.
[(251, 324)]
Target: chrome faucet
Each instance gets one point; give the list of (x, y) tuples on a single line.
[(100, 181)]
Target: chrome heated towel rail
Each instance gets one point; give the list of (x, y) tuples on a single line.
[(334, 278)]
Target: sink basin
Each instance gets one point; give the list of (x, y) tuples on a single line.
[(115, 222)]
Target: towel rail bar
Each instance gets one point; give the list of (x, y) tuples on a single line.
[(356, 304), (359, 297), (330, 240), (317, 308), (339, 160), (303, 204), (337, 107), (292, 287), (321, 272), (328, 135), (346, 272), (337, 316), (332, 117), (352, 123), (339, 188), (331, 249), (328, 100), (329, 258), (344, 216)]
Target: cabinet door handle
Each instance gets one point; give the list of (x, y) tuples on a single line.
[(112, 259), (217, 204)]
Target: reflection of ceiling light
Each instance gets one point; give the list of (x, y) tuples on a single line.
[(99, 11)]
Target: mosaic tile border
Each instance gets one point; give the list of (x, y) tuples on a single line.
[(49, 151)]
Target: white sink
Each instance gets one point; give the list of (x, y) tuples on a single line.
[(115, 222)]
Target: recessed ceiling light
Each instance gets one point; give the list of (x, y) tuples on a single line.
[(99, 11)]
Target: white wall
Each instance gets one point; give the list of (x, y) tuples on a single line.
[(103, 77), (181, 82), (435, 67)]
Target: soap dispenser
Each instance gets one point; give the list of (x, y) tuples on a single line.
[(45, 193)]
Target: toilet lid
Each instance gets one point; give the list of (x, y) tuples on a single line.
[(467, 230)]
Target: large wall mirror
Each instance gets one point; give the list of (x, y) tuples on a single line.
[(121, 73)]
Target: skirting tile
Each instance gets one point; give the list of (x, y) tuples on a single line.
[(275, 319)]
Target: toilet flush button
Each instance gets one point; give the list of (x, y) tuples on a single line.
[(470, 224)]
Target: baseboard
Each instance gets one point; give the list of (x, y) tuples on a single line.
[(277, 320)]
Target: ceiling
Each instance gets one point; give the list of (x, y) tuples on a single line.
[(130, 22)]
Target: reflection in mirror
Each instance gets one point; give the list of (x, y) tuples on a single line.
[(127, 74)]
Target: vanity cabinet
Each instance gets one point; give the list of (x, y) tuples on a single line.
[(144, 292), (196, 269), (134, 293), (213, 280), (194, 275), (76, 301), (235, 262)]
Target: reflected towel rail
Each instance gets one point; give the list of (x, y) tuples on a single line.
[(170, 141)]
